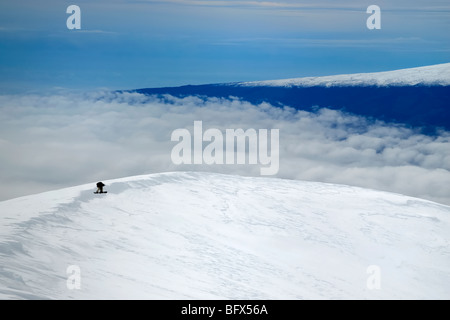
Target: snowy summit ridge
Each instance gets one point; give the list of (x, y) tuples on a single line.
[(213, 236), (435, 75)]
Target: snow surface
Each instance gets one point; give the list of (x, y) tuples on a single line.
[(212, 236), (429, 75)]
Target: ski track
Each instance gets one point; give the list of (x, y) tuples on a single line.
[(212, 236)]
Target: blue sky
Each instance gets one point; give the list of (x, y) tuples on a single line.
[(135, 44)]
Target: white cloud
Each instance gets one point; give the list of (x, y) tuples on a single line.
[(47, 142)]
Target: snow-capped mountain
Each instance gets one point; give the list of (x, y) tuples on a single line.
[(436, 75), (416, 97), (213, 236)]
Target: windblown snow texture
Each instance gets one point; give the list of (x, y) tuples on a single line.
[(212, 236), (416, 97)]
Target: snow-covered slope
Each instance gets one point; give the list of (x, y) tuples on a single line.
[(429, 75), (212, 236)]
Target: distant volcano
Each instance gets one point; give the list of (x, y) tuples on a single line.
[(417, 97)]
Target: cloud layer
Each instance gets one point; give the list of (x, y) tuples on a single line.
[(49, 142)]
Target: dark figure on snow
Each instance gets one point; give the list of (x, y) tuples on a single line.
[(100, 186)]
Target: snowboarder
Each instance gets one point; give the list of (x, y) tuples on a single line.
[(100, 186)]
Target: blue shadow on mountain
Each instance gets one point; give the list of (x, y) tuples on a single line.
[(421, 107)]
